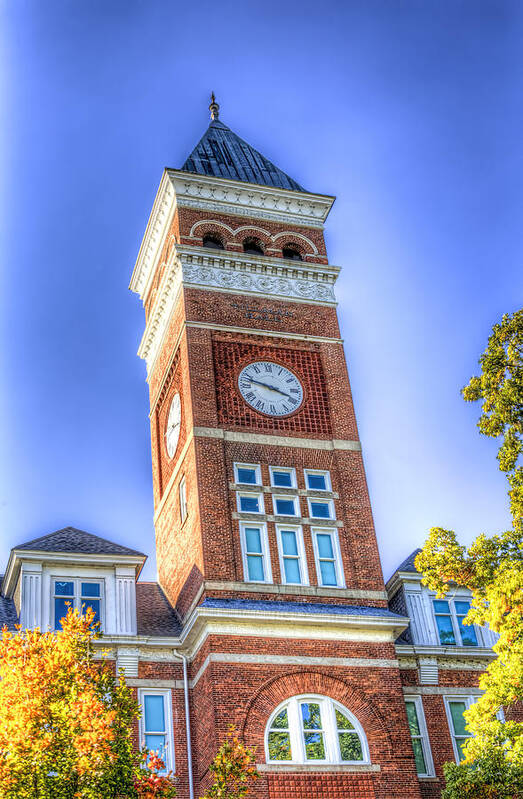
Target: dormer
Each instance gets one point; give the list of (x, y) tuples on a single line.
[(434, 622), (71, 567)]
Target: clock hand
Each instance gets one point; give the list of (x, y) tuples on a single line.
[(265, 385)]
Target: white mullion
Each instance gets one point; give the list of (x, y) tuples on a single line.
[(296, 736), (332, 747)]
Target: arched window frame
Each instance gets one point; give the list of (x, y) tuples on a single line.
[(289, 246), (253, 243), (218, 243), (329, 727)]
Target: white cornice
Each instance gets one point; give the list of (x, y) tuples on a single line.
[(222, 196), (249, 199), (19, 556), (237, 273)]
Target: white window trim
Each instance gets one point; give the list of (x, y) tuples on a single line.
[(182, 497), (287, 469), (425, 741), (323, 472), (77, 599), (166, 693), (266, 556), (468, 700), (338, 563), (329, 502), (287, 498), (257, 494), (329, 728), (302, 559), (255, 466), (454, 621)]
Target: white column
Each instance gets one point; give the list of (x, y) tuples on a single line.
[(31, 596), (125, 601)]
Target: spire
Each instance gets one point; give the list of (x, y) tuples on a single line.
[(221, 153), (214, 108)]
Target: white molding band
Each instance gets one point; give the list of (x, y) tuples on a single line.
[(236, 273), (255, 331), (297, 660), (278, 441), (440, 690), (307, 768), (302, 590)]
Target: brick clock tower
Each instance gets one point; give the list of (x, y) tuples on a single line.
[(264, 534)]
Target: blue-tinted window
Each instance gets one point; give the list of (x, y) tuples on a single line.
[(247, 474), (320, 510), (285, 507), (282, 479), (249, 504), (316, 481)]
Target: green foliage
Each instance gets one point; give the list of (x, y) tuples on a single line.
[(492, 568), (233, 769), (65, 722), (491, 776)]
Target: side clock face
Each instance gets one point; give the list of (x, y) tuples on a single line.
[(270, 388), (172, 431)]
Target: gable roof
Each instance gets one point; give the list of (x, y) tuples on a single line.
[(70, 539), (221, 153)]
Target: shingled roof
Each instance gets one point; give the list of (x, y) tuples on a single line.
[(8, 614), (221, 153), (408, 563), (154, 614), (70, 539)]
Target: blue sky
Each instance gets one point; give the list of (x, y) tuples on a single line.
[(408, 111)]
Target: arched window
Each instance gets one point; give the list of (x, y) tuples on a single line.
[(253, 246), (291, 252), (314, 729), (213, 241)]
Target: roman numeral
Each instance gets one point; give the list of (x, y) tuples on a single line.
[(295, 390), (284, 408), (256, 369), (272, 408), (293, 400), (260, 405), (268, 367), (251, 396), (290, 380)]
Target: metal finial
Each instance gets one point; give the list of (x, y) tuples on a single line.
[(214, 108)]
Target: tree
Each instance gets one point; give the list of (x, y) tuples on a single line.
[(65, 722), (233, 769), (492, 568)]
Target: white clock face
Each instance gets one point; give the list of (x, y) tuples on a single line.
[(172, 432), (270, 388)]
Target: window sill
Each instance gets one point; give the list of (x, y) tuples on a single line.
[(286, 768), (428, 778)]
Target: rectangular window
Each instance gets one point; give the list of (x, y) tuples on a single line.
[(321, 508), (285, 506), (449, 615), (156, 731), (282, 477), (455, 707), (293, 563), (182, 492), (317, 481), (79, 594), (255, 552), (247, 473), (328, 558), (249, 503), (419, 735)]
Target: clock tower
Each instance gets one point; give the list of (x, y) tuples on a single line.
[(264, 533)]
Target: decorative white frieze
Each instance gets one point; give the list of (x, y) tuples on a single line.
[(221, 196), (236, 273)]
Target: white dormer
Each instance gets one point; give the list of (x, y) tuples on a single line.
[(72, 567), (435, 622)]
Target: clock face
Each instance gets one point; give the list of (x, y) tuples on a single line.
[(172, 432), (270, 388)]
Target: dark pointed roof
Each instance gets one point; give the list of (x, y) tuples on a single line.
[(70, 539), (408, 563), (222, 154)]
